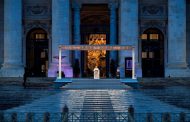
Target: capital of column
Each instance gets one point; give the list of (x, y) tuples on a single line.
[(76, 6), (113, 4)]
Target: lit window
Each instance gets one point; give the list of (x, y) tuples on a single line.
[(144, 54), (43, 54), (144, 36), (154, 36), (151, 55), (40, 36)]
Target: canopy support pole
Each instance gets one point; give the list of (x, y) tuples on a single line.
[(59, 77), (133, 63)]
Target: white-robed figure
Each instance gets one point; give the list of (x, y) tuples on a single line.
[(96, 73)]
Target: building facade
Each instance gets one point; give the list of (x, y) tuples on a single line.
[(32, 30)]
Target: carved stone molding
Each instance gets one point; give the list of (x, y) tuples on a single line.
[(37, 24), (161, 25), (153, 10), (39, 11)]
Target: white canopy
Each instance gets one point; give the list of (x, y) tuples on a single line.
[(97, 47)]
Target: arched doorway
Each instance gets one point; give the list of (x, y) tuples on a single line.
[(37, 52), (95, 19), (152, 53)]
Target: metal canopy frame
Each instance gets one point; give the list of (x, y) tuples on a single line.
[(96, 47)]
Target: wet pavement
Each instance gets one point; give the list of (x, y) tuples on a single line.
[(15, 98)]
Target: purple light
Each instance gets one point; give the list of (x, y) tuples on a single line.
[(53, 69)]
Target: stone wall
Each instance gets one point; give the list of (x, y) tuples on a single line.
[(1, 31), (188, 32)]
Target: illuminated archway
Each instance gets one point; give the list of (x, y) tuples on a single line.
[(37, 52), (95, 23), (152, 53)]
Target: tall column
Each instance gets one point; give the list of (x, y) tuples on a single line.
[(128, 30), (177, 65), (1, 32), (188, 32), (12, 65), (60, 35), (113, 28), (76, 29)]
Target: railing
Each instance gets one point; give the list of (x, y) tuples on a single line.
[(94, 117), (65, 116)]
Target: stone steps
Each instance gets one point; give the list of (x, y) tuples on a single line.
[(96, 84), (97, 101), (31, 79)]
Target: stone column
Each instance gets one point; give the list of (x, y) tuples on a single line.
[(113, 28), (177, 64), (188, 32), (76, 29), (12, 64), (1, 31), (60, 35), (128, 30)]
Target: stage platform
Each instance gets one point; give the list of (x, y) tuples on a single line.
[(70, 80)]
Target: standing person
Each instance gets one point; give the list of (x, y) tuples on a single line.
[(112, 69), (24, 77), (76, 70), (118, 73)]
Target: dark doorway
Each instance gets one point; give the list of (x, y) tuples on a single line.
[(152, 53), (95, 31), (37, 53)]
